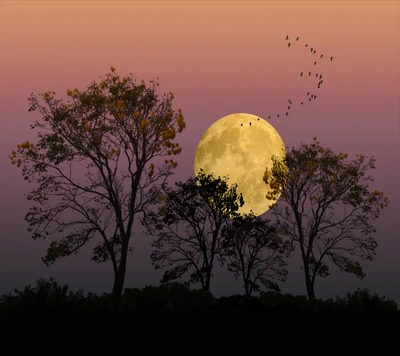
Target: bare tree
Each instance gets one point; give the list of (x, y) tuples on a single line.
[(255, 252), (328, 207), (188, 226), (112, 120)]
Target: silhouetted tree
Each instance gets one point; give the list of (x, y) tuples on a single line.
[(113, 120), (328, 207), (254, 251), (188, 226)]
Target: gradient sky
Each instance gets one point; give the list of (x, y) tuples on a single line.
[(218, 58)]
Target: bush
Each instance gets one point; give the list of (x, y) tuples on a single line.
[(167, 297), (363, 299), (47, 295)]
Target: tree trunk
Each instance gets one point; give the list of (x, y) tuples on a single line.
[(118, 287), (310, 287), (208, 278), (119, 277)]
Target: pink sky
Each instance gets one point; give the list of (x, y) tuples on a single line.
[(218, 58)]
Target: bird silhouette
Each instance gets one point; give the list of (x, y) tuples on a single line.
[(316, 75), (277, 115), (321, 56), (250, 123), (258, 119), (314, 51), (301, 103), (287, 114), (241, 124), (309, 74), (288, 44), (288, 101), (312, 95), (306, 45), (297, 38), (287, 37), (320, 77), (308, 93), (288, 107), (331, 58), (269, 117), (309, 99), (315, 63), (301, 74), (315, 97)]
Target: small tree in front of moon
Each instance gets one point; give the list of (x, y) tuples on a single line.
[(188, 225), (327, 209), (255, 252)]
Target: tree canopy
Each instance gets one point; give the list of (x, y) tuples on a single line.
[(255, 252), (114, 124), (187, 224), (328, 205)]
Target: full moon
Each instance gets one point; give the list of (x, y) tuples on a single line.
[(240, 146)]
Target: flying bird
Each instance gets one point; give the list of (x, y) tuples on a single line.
[(320, 77), (241, 124), (287, 114), (297, 38), (250, 123), (308, 93), (277, 115), (315, 63), (315, 97), (301, 74), (331, 58), (321, 56), (258, 119), (309, 73), (288, 107), (315, 51), (288, 101), (301, 103), (316, 75), (269, 117), (288, 44), (287, 37), (306, 45), (312, 49), (309, 99)]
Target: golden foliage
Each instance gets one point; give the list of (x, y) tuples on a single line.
[(151, 173)]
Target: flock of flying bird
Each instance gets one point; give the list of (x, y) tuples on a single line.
[(317, 75)]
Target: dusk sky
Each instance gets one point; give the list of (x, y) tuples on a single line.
[(218, 58)]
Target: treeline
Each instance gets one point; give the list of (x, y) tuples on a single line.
[(49, 295), (319, 202)]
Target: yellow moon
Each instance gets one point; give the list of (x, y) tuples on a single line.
[(240, 146)]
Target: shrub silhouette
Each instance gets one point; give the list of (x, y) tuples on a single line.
[(173, 296), (47, 295), (362, 299)]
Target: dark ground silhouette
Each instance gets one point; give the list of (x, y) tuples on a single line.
[(48, 295)]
